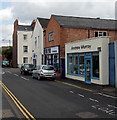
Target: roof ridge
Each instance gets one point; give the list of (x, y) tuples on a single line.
[(43, 18), (24, 26), (98, 18)]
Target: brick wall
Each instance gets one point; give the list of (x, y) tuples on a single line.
[(15, 43), (64, 35), (53, 26)]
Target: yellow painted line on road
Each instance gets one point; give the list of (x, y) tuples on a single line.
[(74, 86), (18, 103)]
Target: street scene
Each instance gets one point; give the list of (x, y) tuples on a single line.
[(58, 60), (56, 99)]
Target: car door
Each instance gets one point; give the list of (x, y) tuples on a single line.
[(37, 71)]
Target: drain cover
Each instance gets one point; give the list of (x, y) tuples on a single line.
[(86, 115)]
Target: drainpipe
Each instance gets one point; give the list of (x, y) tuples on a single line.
[(88, 33), (115, 43)]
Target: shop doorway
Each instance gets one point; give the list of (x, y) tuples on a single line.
[(88, 70)]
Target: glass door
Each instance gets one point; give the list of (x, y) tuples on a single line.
[(88, 70)]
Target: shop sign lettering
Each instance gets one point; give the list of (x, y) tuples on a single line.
[(81, 47)]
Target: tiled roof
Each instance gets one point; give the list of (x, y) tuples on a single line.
[(82, 22), (25, 28), (43, 22)]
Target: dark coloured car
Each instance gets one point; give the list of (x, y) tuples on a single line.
[(27, 69)]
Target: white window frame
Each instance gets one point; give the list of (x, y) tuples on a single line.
[(25, 59), (25, 37), (51, 36), (25, 49), (35, 42), (100, 33)]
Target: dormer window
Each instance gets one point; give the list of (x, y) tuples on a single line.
[(100, 33)]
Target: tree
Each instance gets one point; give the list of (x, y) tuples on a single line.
[(7, 53)]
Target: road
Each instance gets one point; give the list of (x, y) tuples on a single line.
[(57, 99)]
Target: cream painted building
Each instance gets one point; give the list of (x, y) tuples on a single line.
[(24, 45), (87, 60), (38, 41)]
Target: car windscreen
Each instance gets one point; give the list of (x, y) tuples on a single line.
[(5, 62), (28, 66), (48, 68)]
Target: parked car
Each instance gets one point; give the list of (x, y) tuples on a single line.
[(44, 71), (27, 69), (5, 63)]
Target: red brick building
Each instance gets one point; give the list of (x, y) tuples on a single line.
[(64, 29)]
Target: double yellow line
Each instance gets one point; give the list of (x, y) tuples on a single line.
[(18, 103)]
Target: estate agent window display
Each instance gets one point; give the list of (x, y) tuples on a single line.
[(76, 64)]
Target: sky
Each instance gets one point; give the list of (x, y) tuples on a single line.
[(25, 12)]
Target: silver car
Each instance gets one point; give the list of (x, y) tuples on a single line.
[(44, 71)]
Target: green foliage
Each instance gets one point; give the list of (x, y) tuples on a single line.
[(7, 53)]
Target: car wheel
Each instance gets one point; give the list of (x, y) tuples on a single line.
[(38, 77), (23, 73), (53, 79)]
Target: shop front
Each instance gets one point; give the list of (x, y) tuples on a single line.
[(52, 57), (87, 60)]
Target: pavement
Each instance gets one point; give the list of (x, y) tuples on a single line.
[(8, 109), (103, 89)]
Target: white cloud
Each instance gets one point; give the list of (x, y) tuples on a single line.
[(35, 1), (6, 14), (25, 12), (28, 11), (7, 31)]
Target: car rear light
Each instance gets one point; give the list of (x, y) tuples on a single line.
[(41, 71)]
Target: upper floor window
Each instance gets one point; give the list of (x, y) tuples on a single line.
[(25, 37), (35, 41), (100, 33), (51, 36), (25, 48), (38, 41), (25, 59)]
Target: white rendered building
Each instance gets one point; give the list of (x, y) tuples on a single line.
[(24, 45), (38, 41), (88, 61)]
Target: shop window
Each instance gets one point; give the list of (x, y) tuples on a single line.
[(81, 64), (75, 64), (56, 62), (49, 60), (70, 64), (95, 62), (47, 50)]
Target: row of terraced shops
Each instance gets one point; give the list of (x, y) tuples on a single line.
[(84, 49), (82, 53)]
